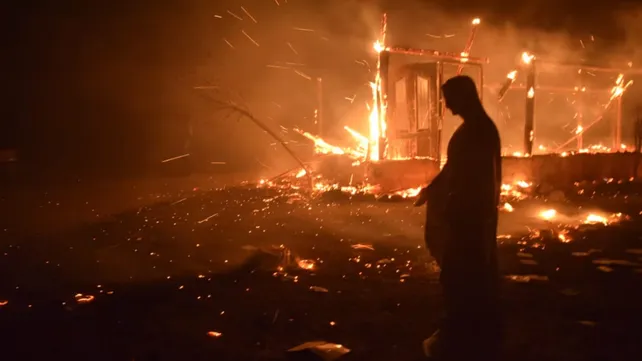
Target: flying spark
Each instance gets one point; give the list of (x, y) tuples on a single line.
[(175, 158), (228, 43), (249, 15), (249, 37), (234, 15), (278, 66), (292, 48), (303, 75)]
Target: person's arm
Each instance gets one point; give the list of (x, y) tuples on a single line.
[(437, 185)]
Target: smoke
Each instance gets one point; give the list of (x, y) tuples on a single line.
[(107, 84), (272, 54)]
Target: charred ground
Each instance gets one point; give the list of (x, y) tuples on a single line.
[(160, 273)]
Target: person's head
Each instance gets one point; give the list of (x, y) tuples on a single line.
[(461, 97)]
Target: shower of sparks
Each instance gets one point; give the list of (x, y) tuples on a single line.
[(175, 158), (234, 15), (249, 15), (249, 37)]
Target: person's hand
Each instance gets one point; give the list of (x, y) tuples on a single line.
[(422, 198)]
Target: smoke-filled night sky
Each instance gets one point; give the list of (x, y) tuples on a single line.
[(110, 84)]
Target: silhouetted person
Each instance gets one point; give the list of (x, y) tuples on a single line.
[(466, 193)]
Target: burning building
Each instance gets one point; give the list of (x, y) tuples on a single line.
[(405, 144)]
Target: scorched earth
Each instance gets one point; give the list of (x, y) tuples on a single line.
[(247, 273)]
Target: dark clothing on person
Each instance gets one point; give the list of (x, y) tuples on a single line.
[(469, 187)]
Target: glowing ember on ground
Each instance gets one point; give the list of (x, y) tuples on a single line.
[(548, 214), (508, 208), (594, 218), (409, 193), (306, 264), (515, 191), (214, 334), (563, 236), (598, 219), (80, 298)]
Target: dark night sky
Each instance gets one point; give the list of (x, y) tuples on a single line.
[(106, 84)]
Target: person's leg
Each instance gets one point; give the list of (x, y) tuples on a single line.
[(471, 327)]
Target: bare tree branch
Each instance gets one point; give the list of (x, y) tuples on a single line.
[(243, 111)]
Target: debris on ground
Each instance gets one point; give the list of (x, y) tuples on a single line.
[(325, 351), (318, 289), (363, 246), (526, 278)]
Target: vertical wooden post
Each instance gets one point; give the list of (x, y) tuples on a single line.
[(319, 114), (529, 125)]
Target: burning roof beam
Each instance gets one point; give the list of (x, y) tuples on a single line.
[(436, 54), (469, 44)]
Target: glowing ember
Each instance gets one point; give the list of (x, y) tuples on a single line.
[(476, 21), (301, 173), (527, 58), (523, 184), (619, 89), (512, 75), (531, 93), (594, 218), (378, 47), (548, 214), (214, 334), (80, 298), (598, 219), (564, 237), (515, 190), (409, 193), (306, 264), (508, 207)]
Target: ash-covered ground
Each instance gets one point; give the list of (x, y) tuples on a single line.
[(246, 273)]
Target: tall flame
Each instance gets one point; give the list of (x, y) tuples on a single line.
[(377, 118)]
